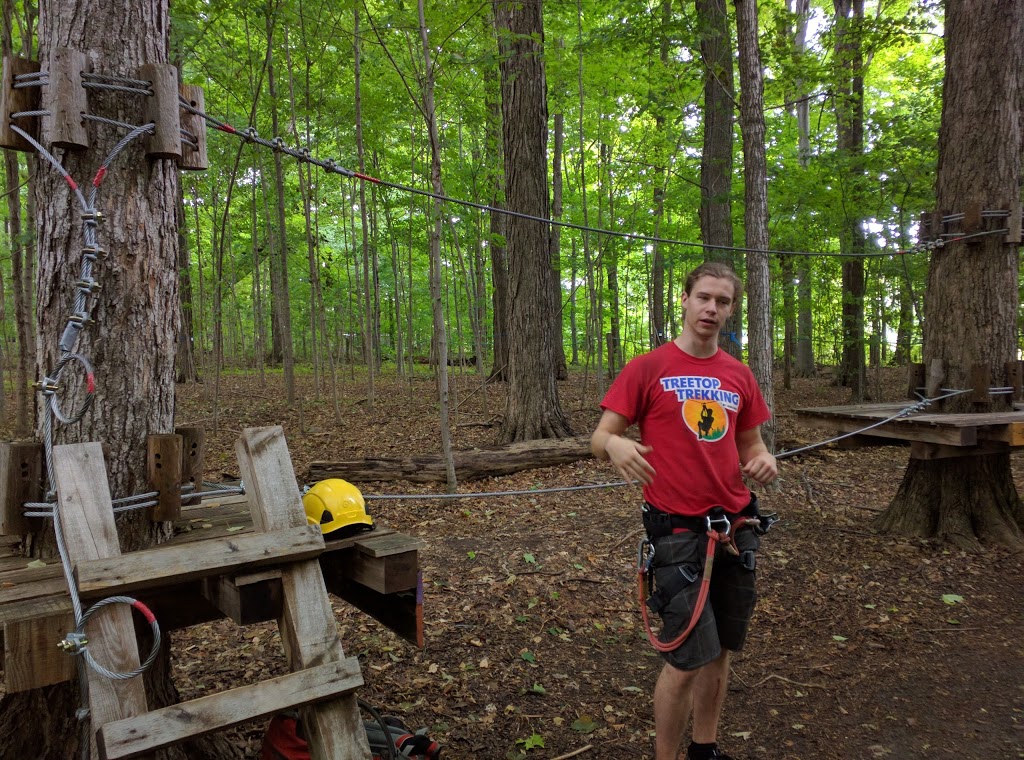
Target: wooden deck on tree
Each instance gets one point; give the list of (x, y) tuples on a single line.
[(931, 436), (217, 565)]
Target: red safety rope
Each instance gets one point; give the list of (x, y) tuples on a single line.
[(714, 539)]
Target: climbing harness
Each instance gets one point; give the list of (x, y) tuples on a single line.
[(720, 529)]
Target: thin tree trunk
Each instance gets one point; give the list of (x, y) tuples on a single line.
[(369, 352), (755, 213)]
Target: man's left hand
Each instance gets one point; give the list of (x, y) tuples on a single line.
[(762, 468)]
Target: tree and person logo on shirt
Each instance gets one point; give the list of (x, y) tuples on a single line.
[(705, 404)]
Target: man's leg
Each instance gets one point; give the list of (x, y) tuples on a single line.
[(708, 694), (673, 700)]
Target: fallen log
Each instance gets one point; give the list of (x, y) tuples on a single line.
[(470, 464)]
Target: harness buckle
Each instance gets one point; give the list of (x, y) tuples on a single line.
[(766, 522), (717, 517)]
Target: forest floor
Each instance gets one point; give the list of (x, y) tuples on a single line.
[(862, 645)]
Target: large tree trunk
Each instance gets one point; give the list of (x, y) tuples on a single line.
[(716, 156), (532, 408), (971, 303), (557, 339), (131, 341)]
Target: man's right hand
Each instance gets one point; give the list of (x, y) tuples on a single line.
[(628, 458)]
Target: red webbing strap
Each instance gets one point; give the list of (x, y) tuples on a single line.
[(714, 537)]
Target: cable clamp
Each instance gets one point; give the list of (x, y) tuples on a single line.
[(47, 386), (92, 216), (250, 134), (88, 285), (278, 143), (80, 318), (73, 643), (93, 252), (304, 152)]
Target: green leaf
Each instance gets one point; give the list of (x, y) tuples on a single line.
[(952, 599), (537, 689), (839, 638), (529, 559), (536, 740), (532, 602), (527, 655), (583, 725), (471, 555)]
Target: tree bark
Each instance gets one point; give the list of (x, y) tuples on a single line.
[(971, 302), (532, 408), (473, 464), (716, 156), (755, 211), (849, 107), (496, 221)]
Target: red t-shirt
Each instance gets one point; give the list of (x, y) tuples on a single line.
[(689, 410)]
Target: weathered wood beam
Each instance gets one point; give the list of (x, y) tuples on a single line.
[(171, 725), (152, 568)]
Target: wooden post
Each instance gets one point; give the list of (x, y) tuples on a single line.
[(64, 97), (13, 101), (915, 379), (194, 159), (308, 627), (21, 473), (981, 381), (936, 374), (163, 471), (192, 440), (1014, 378), (1013, 223), (89, 532), (163, 110)]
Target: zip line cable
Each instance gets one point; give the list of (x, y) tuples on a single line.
[(330, 165)]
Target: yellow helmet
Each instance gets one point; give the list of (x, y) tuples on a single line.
[(334, 504)]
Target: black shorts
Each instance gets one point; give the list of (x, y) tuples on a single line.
[(731, 599)]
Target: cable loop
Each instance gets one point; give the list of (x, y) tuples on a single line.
[(90, 389), (84, 651)]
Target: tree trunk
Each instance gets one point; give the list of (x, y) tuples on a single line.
[(369, 322), (716, 157), (755, 211), (473, 464), (532, 408), (971, 301), (282, 302), (440, 331), (849, 106), (557, 339), (496, 220), (136, 314)]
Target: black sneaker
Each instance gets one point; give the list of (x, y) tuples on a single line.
[(715, 754)]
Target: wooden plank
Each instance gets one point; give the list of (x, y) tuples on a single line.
[(163, 110), (31, 659), (64, 97), (402, 612), (246, 599), (931, 451), (171, 725), (151, 568), (87, 519), (163, 471), (194, 158), (383, 545), (15, 100), (385, 575), (1012, 434), (21, 468), (193, 446), (904, 430), (308, 627)]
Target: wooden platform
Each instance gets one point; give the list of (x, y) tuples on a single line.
[(376, 571), (932, 436)]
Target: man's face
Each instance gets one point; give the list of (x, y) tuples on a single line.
[(708, 305)]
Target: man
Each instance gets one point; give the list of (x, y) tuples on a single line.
[(700, 412)]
